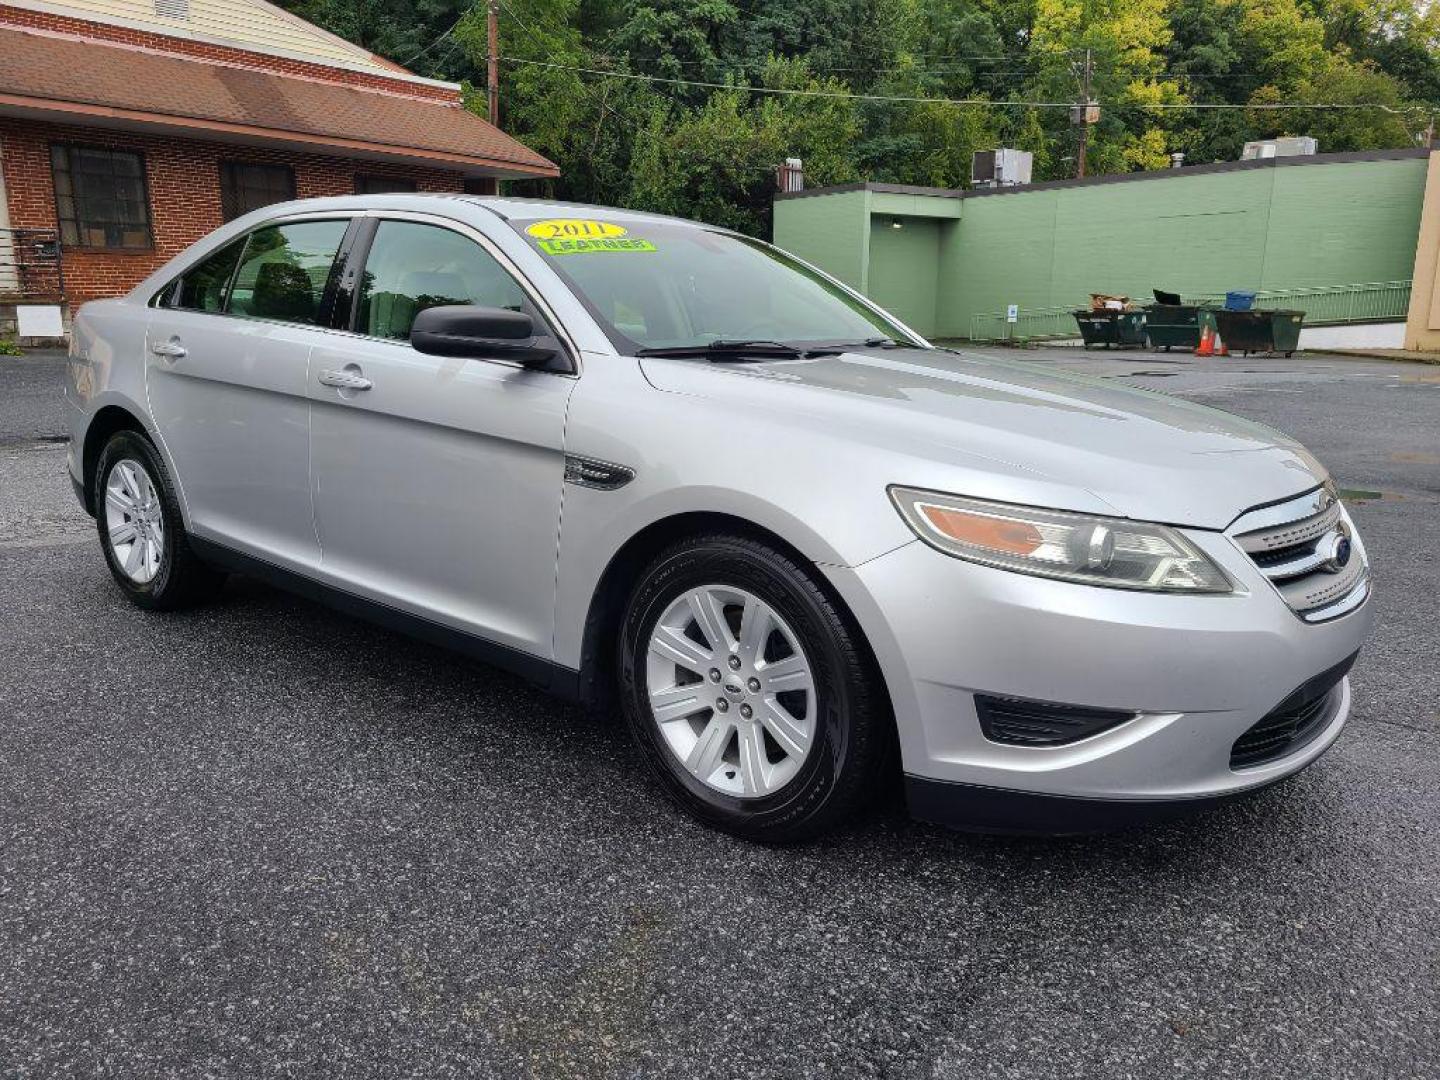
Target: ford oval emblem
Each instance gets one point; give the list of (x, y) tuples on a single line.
[(1339, 556)]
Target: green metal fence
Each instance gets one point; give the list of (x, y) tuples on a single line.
[(1032, 324), (1333, 305)]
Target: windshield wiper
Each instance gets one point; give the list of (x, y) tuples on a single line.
[(720, 349), (874, 343)]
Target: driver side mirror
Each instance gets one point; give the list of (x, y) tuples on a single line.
[(483, 333)]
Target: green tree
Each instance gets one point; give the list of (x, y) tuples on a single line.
[(1198, 76)]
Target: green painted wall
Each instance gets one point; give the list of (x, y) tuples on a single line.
[(1359, 221), (1274, 228), (902, 267), (1293, 226), (1045, 248), (831, 231)]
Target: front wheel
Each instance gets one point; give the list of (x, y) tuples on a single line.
[(141, 528), (749, 693)]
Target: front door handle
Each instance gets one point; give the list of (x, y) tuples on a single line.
[(345, 380), (171, 350)]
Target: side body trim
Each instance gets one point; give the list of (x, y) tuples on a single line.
[(556, 678)]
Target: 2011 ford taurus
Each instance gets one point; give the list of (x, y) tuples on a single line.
[(651, 463)]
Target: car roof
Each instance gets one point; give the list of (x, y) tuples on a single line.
[(506, 207), (509, 207)]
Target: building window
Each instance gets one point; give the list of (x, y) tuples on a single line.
[(379, 185), (245, 187), (100, 197)]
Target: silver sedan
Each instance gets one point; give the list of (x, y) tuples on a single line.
[(661, 467)]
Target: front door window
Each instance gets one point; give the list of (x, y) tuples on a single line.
[(412, 267)]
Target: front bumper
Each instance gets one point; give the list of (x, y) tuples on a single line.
[(1198, 672)]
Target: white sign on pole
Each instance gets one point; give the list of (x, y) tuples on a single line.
[(1012, 313)]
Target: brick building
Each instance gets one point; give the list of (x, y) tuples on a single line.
[(131, 128)]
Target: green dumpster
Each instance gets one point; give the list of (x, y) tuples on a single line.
[(1172, 326), (1260, 331), (1109, 327)]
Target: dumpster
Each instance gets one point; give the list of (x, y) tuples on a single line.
[(1170, 324), (1107, 326), (1260, 331)]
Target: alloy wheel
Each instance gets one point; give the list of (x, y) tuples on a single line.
[(732, 691), (135, 523)]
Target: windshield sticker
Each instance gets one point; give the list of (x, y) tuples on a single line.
[(574, 229), (581, 246)]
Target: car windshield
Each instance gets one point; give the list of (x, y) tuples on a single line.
[(661, 285)]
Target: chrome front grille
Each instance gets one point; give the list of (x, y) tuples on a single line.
[(1307, 549), (1294, 534)]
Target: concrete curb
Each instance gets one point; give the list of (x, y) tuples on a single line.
[(1401, 355)]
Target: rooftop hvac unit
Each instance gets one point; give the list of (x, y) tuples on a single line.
[(1000, 168), (1260, 149)]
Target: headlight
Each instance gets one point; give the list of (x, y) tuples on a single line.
[(1113, 552)]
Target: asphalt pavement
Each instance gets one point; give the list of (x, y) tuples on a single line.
[(262, 839)]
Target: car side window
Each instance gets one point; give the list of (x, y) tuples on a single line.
[(283, 272), (412, 266), (203, 287)]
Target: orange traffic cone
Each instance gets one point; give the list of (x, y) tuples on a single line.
[(1207, 341)]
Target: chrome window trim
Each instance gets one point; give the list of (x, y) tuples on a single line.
[(285, 219)]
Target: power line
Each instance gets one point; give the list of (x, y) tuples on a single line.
[(947, 58), (442, 37), (1261, 106), (777, 90), (522, 24)]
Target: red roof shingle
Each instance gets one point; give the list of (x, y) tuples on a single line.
[(81, 76)]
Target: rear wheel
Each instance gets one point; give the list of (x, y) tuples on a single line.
[(748, 692), (141, 529)]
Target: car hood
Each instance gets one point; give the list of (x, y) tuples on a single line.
[(1135, 453)]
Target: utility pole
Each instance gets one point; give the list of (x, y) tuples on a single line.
[(492, 63), (1085, 117)]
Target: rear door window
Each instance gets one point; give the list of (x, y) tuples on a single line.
[(204, 287), (284, 270)]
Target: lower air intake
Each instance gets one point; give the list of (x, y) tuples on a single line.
[(1294, 722), (1018, 722)]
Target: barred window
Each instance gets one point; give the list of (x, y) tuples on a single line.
[(100, 197), (378, 185), (245, 186)]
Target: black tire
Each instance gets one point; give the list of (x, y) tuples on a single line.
[(854, 734), (181, 579)]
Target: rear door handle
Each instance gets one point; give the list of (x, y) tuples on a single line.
[(345, 380), (172, 350)]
